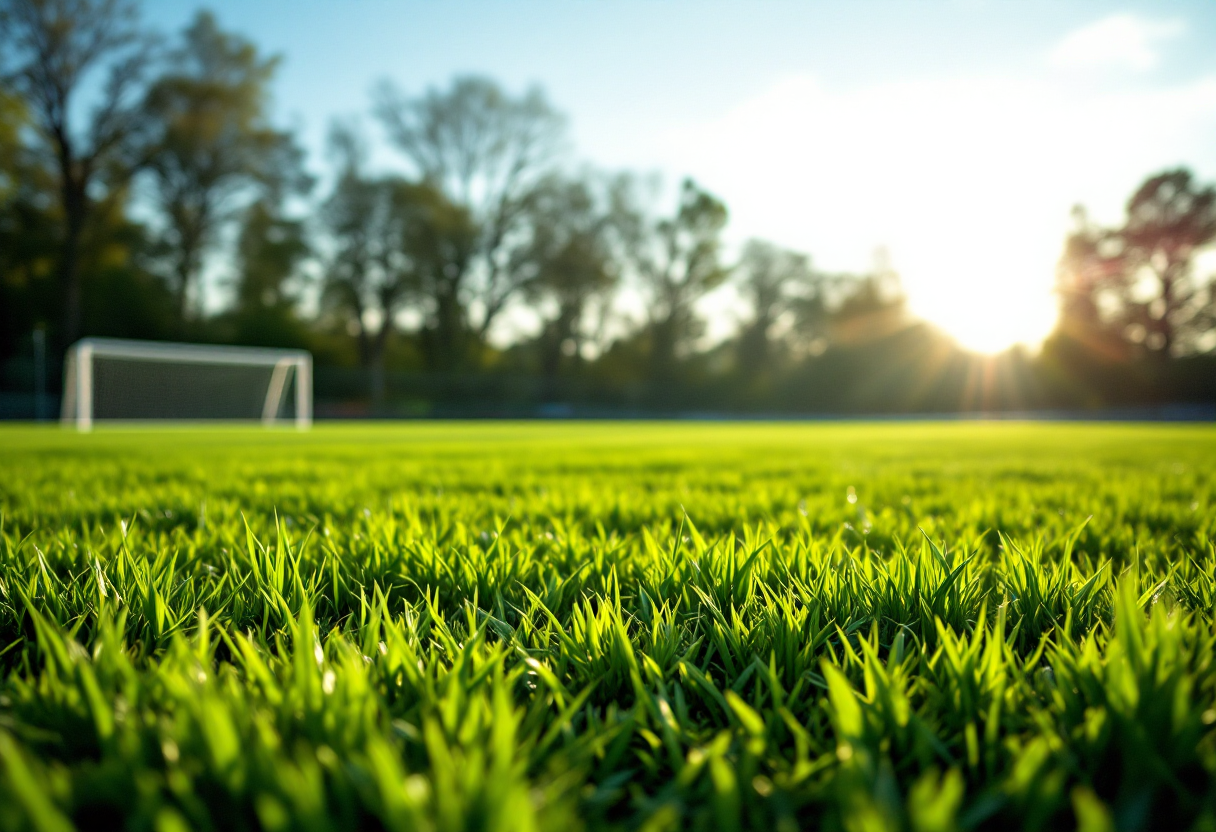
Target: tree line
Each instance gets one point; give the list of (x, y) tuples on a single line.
[(136, 170)]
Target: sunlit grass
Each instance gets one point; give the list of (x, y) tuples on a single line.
[(517, 626)]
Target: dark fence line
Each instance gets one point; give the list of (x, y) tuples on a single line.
[(1184, 390), (20, 407)]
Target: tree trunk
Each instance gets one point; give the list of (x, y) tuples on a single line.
[(1168, 280), (183, 293), (69, 281), (559, 331), (377, 347), (365, 350), (663, 349), (753, 350), (447, 351), (75, 212), (190, 241)]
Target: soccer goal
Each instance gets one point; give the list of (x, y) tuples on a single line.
[(113, 379)]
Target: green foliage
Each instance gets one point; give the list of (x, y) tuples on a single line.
[(678, 259), (1133, 289), (210, 139), (563, 626)]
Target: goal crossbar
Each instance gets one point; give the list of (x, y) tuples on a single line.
[(79, 375)]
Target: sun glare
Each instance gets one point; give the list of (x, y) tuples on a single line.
[(985, 294), (983, 272), (990, 322), (968, 183)]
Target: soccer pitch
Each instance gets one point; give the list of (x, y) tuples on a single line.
[(456, 626)]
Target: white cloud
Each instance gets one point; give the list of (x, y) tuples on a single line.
[(1121, 40), (968, 182)]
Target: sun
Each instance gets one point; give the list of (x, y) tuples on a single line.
[(993, 325), (989, 283), (987, 312)]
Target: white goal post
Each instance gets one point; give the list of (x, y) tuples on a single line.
[(111, 378)]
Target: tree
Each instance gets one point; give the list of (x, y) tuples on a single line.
[(1135, 283), (119, 296), (49, 50), (439, 239), (393, 240), (1089, 268), (865, 307), (571, 253), (211, 142), (356, 218), (774, 281), (677, 259), (29, 232), (14, 118), (269, 252), (488, 152), (1169, 219)]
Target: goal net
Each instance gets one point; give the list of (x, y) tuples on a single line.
[(113, 379)]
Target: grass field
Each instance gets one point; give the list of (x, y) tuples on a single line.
[(564, 626)]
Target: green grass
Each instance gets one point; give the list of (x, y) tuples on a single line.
[(563, 626)]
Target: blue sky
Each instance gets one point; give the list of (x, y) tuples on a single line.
[(955, 134)]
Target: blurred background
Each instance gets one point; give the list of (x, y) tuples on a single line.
[(636, 208)]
